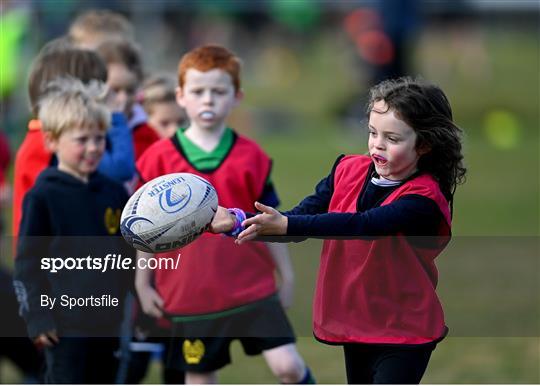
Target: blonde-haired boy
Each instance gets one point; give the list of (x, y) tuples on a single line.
[(74, 123), (68, 203), (68, 102)]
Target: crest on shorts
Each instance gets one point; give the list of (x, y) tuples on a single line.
[(112, 220), (193, 352)]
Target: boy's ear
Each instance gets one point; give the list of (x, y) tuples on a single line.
[(239, 96), (51, 142), (179, 96)]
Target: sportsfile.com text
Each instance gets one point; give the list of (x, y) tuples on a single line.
[(111, 261)]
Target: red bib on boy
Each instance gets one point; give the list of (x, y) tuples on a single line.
[(214, 273), (379, 291)]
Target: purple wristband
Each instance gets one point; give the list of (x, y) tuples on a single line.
[(240, 217)]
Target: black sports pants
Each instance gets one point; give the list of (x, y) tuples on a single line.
[(388, 364)]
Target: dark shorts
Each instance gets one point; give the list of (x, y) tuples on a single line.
[(202, 345)]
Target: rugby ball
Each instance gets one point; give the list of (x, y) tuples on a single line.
[(168, 212)]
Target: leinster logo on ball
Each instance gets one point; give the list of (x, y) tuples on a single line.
[(173, 194), (172, 201)]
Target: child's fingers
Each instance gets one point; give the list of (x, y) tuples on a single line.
[(156, 312), (157, 309), (252, 220), (53, 337), (247, 238), (265, 209), (152, 303), (46, 342), (248, 234), (43, 341), (158, 301)]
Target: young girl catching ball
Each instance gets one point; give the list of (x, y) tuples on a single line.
[(375, 291)]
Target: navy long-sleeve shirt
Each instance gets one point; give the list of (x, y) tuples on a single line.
[(412, 215)]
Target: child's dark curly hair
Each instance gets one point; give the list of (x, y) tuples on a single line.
[(426, 109)]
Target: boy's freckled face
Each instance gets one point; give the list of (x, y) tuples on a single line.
[(166, 118), (392, 144), (124, 83), (208, 97), (79, 150)]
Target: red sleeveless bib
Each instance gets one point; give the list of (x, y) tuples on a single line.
[(214, 273), (380, 290)]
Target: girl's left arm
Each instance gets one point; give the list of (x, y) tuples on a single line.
[(411, 215)]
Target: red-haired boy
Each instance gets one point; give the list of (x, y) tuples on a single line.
[(221, 292)]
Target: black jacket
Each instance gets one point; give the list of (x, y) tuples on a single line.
[(65, 218)]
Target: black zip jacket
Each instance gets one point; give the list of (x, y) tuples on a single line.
[(65, 218)]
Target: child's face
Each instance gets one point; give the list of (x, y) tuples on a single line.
[(208, 98), (124, 83), (79, 150), (392, 144), (166, 118)]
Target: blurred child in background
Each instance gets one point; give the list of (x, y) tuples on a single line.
[(125, 74), (158, 97), (59, 58), (93, 27)]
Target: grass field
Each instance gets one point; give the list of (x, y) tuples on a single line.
[(490, 275)]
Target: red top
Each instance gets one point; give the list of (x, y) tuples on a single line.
[(143, 137), (214, 273), (31, 159), (380, 290)]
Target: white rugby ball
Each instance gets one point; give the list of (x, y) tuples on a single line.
[(168, 212)]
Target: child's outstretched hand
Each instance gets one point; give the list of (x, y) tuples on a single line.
[(269, 222), (222, 222)]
